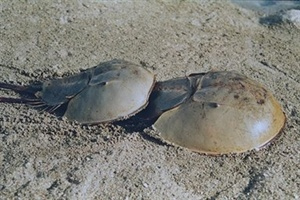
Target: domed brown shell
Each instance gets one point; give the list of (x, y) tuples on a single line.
[(115, 90), (112, 90), (226, 113)]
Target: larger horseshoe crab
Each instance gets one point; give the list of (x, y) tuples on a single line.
[(215, 113), (111, 91)]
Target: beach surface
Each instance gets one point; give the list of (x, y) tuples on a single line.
[(45, 157)]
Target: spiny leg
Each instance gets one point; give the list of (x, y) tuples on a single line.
[(29, 90), (16, 88), (31, 102), (35, 103), (15, 100)]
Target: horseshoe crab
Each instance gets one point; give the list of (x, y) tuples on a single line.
[(215, 113), (112, 90)]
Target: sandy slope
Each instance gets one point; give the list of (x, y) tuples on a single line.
[(45, 157)]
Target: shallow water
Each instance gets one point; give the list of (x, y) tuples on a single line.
[(273, 12), (268, 7)]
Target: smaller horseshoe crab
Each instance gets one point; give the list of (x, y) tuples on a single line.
[(111, 91), (215, 113)]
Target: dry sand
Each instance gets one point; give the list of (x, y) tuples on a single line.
[(42, 157)]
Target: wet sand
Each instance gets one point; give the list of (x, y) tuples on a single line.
[(43, 157)]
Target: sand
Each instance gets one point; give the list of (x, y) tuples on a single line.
[(44, 157)]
